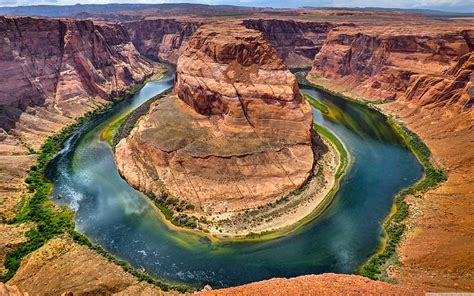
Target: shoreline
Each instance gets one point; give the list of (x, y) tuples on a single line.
[(318, 202), (344, 161), (394, 226), (37, 206)]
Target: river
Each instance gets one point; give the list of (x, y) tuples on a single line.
[(126, 223)]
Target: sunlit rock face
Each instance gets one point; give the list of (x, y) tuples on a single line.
[(424, 64), (235, 133), (54, 70)]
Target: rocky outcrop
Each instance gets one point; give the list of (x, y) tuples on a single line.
[(161, 38), (64, 267), (456, 85), (324, 284), (7, 290), (235, 135), (56, 70), (380, 64), (297, 42)]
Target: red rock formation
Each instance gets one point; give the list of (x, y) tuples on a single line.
[(236, 135), (379, 64), (324, 284), (297, 42), (427, 70), (161, 37), (7, 290), (55, 70), (456, 85)]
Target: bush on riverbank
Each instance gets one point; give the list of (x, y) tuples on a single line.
[(50, 220), (172, 209), (394, 226)]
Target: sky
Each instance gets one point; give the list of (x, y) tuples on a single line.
[(447, 5)]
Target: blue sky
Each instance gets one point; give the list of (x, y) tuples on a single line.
[(448, 5)]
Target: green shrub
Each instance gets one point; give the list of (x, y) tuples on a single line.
[(394, 226)]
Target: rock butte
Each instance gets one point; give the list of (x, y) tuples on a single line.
[(235, 134)]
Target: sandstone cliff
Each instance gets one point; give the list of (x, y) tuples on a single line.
[(455, 85), (235, 135), (55, 70), (380, 64), (160, 38), (52, 72), (297, 42), (425, 73)]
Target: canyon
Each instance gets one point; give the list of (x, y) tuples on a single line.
[(421, 69)]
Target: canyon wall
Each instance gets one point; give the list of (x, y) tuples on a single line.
[(161, 38), (425, 75), (377, 63), (297, 42), (52, 72), (235, 135), (56, 70)]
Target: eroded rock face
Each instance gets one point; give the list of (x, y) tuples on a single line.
[(427, 72), (379, 64), (55, 70), (52, 72), (296, 42), (235, 134), (161, 37), (456, 85)]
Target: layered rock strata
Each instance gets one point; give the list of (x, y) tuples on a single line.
[(426, 76), (55, 70), (380, 64), (52, 72), (161, 38), (236, 133), (296, 42)]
